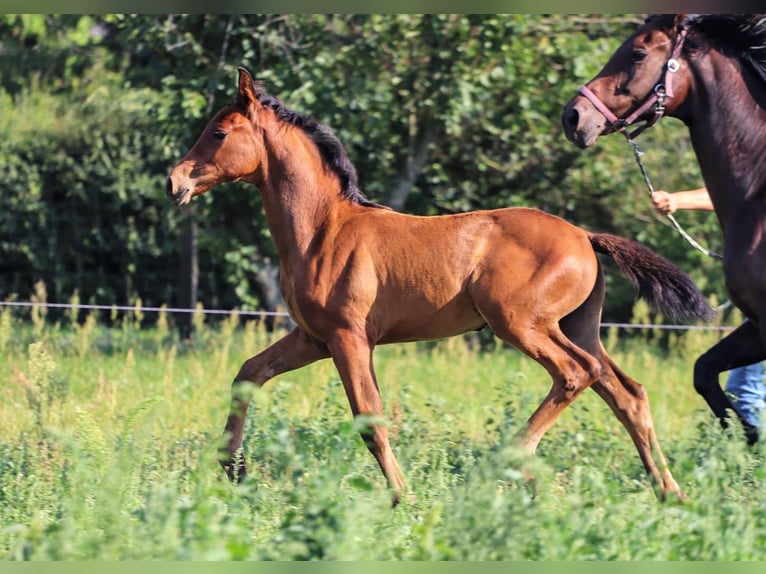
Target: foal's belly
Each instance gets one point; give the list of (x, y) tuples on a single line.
[(404, 321)]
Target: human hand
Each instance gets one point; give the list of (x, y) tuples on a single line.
[(663, 202)]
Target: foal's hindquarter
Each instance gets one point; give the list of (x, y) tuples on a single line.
[(384, 277)]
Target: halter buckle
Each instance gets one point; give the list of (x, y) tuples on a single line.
[(673, 65), (660, 93)]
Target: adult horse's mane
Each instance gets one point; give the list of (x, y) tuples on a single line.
[(330, 149), (739, 35)]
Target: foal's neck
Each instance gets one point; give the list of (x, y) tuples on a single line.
[(300, 195)]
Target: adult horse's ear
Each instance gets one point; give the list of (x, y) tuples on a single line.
[(682, 20), (246, 96)]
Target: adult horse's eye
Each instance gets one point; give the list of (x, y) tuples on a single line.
[(638, 56), (219, 134)]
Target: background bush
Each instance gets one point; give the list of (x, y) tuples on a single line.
[(440, 113)]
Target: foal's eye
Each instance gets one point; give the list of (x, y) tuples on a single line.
[(219, 134), (638, 56)]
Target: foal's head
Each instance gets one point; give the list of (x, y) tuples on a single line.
[(229, 148)]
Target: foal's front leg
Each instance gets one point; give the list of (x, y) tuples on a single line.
[(294, 350), (352, 354)]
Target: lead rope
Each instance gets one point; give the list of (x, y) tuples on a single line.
[(637, 153)]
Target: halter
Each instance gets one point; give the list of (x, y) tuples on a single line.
[(656, 98)]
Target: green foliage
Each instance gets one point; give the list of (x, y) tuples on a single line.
[(123, 466), (78, 210), (439, 113)]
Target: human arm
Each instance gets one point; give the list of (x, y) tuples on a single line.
[(691, 199)]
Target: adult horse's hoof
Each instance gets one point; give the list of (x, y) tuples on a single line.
[(751, 434)]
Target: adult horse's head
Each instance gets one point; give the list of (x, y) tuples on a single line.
[(645, 78), (229, 148), (709, 71)]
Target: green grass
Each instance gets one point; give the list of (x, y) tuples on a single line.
[(108, 451)]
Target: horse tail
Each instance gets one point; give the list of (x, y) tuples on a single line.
[(660, 283)]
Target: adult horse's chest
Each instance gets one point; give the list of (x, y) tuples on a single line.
[(744, 263)]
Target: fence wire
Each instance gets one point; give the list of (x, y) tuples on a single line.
[(261, 313)]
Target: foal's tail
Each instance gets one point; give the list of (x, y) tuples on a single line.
[(663, 285)]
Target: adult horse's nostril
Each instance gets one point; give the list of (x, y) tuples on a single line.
[(571, 118)]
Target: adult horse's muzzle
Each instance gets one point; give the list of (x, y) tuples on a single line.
[(581, 126)]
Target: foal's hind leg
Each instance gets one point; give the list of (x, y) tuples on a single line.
[(572, 369), (625, 397), (294, 350), (628, 400)]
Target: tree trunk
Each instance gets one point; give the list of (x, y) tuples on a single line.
[(267, 287), (412, 164)]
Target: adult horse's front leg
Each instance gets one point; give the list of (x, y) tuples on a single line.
[(352, 354), (294, 350), (739, 348)]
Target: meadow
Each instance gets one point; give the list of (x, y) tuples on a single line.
[(108, 440)]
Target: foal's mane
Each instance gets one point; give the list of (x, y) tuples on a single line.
[(739, 35), (330, 148)]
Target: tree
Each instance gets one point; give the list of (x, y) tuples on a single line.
[(439, 113)]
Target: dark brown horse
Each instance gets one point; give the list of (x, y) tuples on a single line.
[(709, 71), (355, 275)]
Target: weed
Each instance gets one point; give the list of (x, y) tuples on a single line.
[(108, 451)]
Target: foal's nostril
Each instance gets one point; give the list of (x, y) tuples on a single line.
[(169, 188)]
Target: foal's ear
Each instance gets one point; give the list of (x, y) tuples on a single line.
[(246, 97)]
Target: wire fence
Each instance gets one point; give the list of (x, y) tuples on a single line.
[(244, 312), (141, 308)]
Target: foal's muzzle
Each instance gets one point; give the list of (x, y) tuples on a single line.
[(177, 196)]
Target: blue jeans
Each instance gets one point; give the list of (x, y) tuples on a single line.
[(747, 391)]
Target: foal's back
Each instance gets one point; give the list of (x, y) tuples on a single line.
[(414, 277)]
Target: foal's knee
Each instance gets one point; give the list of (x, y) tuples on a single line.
[(254, 371), (594, 371), (591, 373), (581, 379)]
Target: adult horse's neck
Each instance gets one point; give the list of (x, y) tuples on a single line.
[(300, 195), (725, 111)]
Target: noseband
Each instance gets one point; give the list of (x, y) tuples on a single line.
[(656, 98)]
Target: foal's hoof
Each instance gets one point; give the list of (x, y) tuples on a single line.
[(671, 494), (235, 469), (397, 498)]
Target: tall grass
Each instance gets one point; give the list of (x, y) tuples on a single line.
[(108, 451)]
